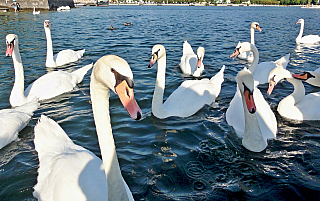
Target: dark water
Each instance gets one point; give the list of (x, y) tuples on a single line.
[(195, 158)]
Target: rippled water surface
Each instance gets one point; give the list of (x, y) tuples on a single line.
[(194, 158)]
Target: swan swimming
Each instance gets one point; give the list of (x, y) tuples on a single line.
[(45, 87), (70, 172), (64, 56), (191, 63), (306, 39), (189, 97)]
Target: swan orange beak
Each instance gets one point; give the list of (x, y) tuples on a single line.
[(235, 53), (258, 28), (128, 101), (250, 102), (153, 60), (302, 76), (199, 63), (9, 50), (272, 84)]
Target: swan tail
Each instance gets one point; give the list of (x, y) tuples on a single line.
[(49, 137), (79, 74), (187, 49), (80, 53), (283, 61), (29, 107)]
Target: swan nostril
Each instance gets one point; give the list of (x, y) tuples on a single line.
[(138, 116)]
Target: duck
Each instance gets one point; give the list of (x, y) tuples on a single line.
[(260, 71), (189, 97), (255, 130), (70, 172), (35, 12), (63, 57), (111, 28), (309, 39), (45, 87), (13, 120), (296, 106), (249, 55), (127, 23), (191, 63)]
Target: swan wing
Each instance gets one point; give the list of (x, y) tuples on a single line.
[(187, 49), (310, 39), (190, 97), (309, 106), (66, 171), (51, 85), (67, 56)]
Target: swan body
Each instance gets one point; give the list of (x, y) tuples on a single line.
[(236, 113), (35, 12), (188, 98), (191, 63), (249, 55), (12, 121), (311, 77), (310, 39), (255, 131), (296, 106), (47, 86), (64, 56), (260, 71), (70, 172)]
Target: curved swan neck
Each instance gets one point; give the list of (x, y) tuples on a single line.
[(17, 97), (157, 100), (100, 106), (301, 30), (255, 61), (298, 92), (49, 60), (252, 35)]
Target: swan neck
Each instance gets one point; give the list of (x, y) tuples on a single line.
[(301, 30), (17, 97), (49, 60), (299, 90), (100, 106), (255, 61), (157, 101), (252, 36)]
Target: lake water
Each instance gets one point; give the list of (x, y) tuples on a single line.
[(194, 158)]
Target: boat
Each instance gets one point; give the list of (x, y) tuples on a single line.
[(63, 8)]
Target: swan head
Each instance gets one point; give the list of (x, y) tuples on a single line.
[(46, 24), (12, 42), (115, 73), (300, 21), (242, 47), (275, 76), (304, 76), (246, 86), (200, 55), (158, 51), (256, 25)]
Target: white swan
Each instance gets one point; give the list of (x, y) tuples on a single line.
[(256, 130), (191, 63), (249, 55), (311, 77), (46, 86), (260, 71), (306, 39), (63, 8), (188, 98), (12, 121), (70, 172), (35, 12), (297, 105), (64, 56)]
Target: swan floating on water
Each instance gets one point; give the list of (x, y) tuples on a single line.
[(35, 12), (249, 55), (191, 63), (257, 128), (12, 121), (297, 105), (70, 172), (189, 97), (64, 56), (45, 87), (306, 39)]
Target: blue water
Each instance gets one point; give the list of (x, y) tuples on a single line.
[(194, 158)]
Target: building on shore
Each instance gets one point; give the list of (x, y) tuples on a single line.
[(40, 4)]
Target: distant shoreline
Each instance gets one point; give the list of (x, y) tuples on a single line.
[(244, 5)]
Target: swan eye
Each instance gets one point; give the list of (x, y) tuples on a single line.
[(247, 89), (112, 70)]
